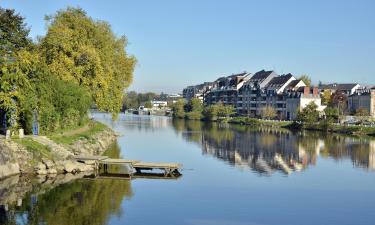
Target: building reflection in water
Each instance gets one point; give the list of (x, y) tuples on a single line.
[(266, 151)]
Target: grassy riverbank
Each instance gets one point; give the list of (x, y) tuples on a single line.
[(70, 136)]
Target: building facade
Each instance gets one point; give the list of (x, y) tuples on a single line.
[(226, 90), (364, 99)]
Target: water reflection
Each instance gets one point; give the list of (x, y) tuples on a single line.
[(63, 199), (268, 150)]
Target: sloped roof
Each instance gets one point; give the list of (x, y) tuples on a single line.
[(335, 86), (280, 80), (292, 84), (261, 75)]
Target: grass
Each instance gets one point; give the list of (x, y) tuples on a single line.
[(38, 150), (69, 137)]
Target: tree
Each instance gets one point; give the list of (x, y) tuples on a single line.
[(79, 49), (326, 97), (194, 105), (224, 111), (306, 79), (210, 112), (309, 115), (178, 109), (148, 105), (13, 33), (268, 112), (339, 100), (14, 43)]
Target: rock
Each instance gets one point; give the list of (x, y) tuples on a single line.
[(49, 164), (89, 162), (81, 167), (70, 167), (9, 169), (42, 172), (51, 171), (40, 166)]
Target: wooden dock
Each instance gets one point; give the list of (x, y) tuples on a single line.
[(136, 168)]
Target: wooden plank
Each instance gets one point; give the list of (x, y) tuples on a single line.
[(157, 165), (118, 161), (94, 157)]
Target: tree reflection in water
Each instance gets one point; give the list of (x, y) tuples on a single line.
[(266, 150), (79, 202)]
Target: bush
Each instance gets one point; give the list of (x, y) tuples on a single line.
[(195, 115)]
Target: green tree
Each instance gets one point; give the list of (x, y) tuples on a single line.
[(210, 112), (326, 97), (309, 115), (14, 43), (224, 111), (268, 112), (306, 79), (178, 109), (194, 105), (79, 49), (148, 105)]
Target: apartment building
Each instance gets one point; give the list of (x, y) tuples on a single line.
[(362, 99), (197, 91), (226, 90)]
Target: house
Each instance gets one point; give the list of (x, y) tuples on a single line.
[(197, 91), (362, 99), (256, 96), (347, 89), (298, 99), (226, 90), (159, 104)]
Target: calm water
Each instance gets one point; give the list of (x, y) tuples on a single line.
[(232, 175)]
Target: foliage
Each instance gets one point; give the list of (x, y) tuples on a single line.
[(210, 112), (225, 111), (178, 109), (309, 115), (194, 115), (362, 112), (13, 33), (194, 105), (306, 79), (148, 105), (132, 99), (339, 100), (79, 49), (326, 97), (268, 112), (331, 113), (14, 43)]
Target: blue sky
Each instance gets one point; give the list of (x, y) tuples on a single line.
[(180, 43)]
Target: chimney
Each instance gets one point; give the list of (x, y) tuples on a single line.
[(306, 91), (315, 91)]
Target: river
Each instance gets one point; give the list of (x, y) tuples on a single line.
[(232, 175)]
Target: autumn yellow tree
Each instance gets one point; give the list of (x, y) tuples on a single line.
[(85, 51)]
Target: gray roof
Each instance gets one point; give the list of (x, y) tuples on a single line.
[(280, 80), (335, 86), (261, 75)]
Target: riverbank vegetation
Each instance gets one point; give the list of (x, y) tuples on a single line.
[(308, 118), (70, 136), (79, 63)]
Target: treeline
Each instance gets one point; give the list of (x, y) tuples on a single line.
[(79, 63), (132, 100), (195, 110)]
